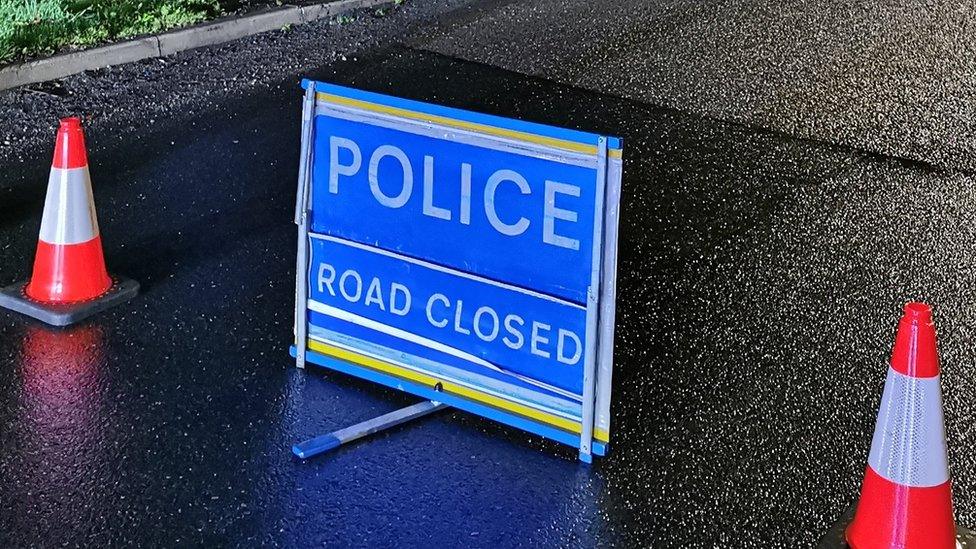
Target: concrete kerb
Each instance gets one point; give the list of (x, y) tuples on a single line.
[(206, 34)]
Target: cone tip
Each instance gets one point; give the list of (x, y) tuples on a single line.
[(918, 311), (915, 353), (70, 123), (69, 148)]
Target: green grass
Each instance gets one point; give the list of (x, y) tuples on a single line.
[(36, 27)]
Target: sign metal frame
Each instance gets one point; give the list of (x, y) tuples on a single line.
[(590, 433)]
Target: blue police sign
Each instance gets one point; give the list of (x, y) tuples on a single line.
[(465, 258)]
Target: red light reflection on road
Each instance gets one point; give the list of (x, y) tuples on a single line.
[(60, 369)]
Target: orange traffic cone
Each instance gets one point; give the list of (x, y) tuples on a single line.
[(906, 500), (69, 280)]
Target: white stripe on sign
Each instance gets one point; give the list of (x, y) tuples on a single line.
[(442, 269), (353, 318), (909, 438), (69, 212)]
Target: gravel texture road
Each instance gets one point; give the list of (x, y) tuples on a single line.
[(897, 78), (761, 280)]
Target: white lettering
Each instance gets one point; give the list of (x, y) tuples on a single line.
[(482, 311), (335, 168), (359, 286), (560, 347), (379, 154), (551, 213), (457, 319), (326, 281), (519, 340), (429, 207), (536, 339), (374, 294), (430, 306), (395, 289), (465, 194), (491, 186)]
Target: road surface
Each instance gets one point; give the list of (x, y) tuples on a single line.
[(767, 247)]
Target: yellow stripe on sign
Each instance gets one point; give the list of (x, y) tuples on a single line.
[(601, 434), (461, 124), (449, 387)]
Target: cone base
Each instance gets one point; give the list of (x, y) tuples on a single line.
[(14, 298), (834, 538)]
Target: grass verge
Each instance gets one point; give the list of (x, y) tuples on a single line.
[(29, 28)]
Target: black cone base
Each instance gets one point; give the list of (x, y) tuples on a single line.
[(13, 297), (834, 539)]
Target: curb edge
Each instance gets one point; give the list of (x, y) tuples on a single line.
[(175, 41)]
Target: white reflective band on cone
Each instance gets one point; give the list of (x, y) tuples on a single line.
[(69, 212), (909, 438)]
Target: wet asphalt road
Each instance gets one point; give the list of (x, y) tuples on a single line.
[(897, 77), (760, 283)]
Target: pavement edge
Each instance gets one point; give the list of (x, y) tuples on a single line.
[(168, 43)]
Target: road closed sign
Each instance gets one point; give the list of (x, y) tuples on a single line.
[(465, 258)]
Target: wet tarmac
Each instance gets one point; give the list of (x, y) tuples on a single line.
[(761, 280), (898, 78)]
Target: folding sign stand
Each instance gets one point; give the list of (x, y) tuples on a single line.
[(464, 258), (324, 443)]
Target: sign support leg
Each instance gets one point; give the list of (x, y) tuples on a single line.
[(593, 312), (608, 300), (301, 219), (324, 443)]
